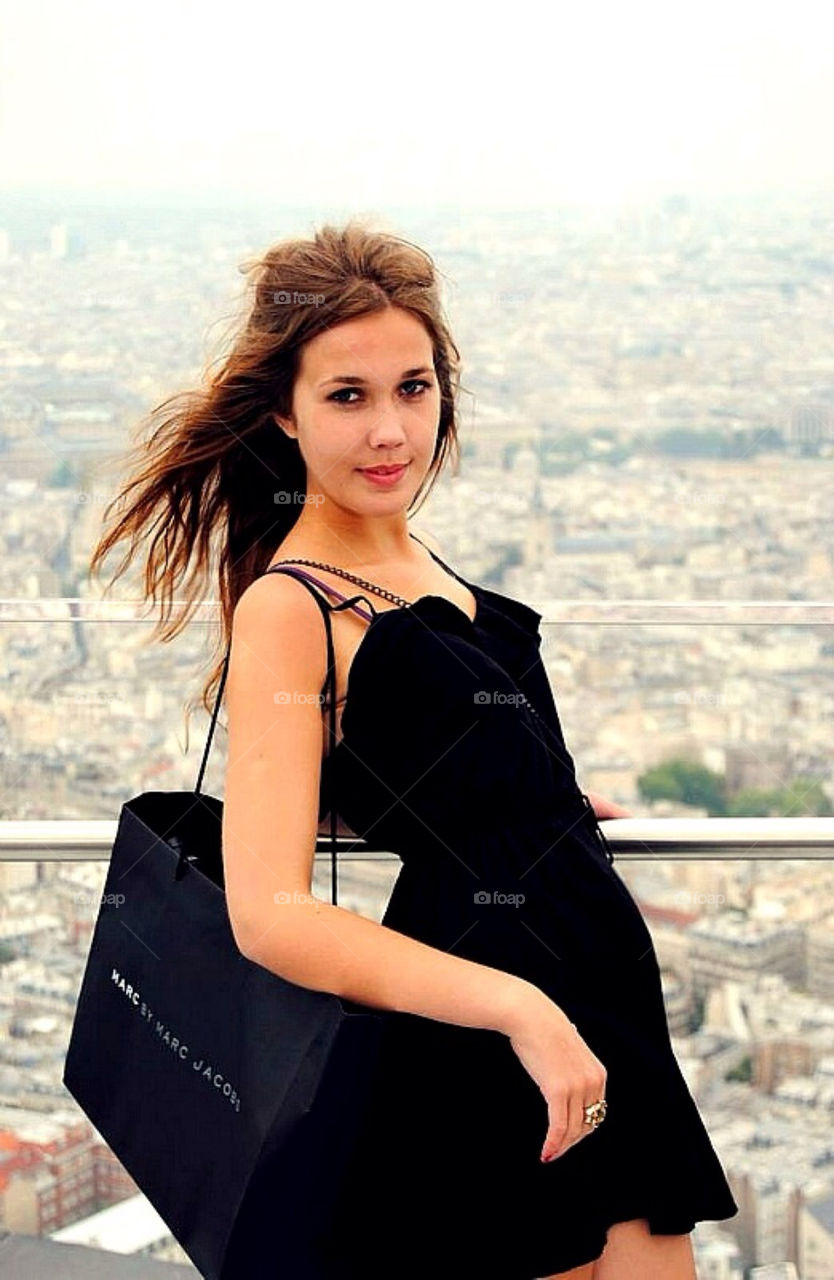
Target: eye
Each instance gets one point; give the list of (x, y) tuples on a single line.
[(420, 383)]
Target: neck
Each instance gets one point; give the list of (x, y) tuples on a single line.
[(351, 547)]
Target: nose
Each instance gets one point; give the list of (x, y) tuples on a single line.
[(388, 427)]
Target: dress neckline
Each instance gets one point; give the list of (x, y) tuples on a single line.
[(514, 613), (426, 603), (518, 616)]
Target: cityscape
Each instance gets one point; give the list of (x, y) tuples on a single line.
[(646, 419)]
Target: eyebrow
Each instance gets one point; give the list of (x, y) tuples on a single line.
[(353, 379)]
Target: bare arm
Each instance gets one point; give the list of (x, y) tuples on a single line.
[(269, 833)]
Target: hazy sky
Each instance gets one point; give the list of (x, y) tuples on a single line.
[(417, 104)]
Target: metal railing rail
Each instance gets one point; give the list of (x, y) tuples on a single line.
[(555, 610), (629, 838)]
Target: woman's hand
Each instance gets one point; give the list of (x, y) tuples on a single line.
[(607, 808), (568, 1074)]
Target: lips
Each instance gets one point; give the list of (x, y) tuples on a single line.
[(384, 471)]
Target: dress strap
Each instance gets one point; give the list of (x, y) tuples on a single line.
[(325, 586), (344, 573), (442, 563)]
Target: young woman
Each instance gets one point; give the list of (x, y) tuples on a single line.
[(530, 1118)]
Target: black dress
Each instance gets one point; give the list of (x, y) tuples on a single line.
[(452, 754)]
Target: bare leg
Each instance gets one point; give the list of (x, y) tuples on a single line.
[(631, 1250)]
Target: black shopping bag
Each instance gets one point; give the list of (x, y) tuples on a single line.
[(232, 1096)]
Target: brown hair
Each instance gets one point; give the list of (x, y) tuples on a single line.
[(216, 486)]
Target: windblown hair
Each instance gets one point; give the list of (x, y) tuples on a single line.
[(216, 485)]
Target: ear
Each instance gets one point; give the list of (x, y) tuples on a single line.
[(286, 425)]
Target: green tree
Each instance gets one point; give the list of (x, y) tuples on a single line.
[(687, 782), (803, 797), (689, 442), (742, 1071)]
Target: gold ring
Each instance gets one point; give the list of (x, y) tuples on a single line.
[(595, 1112)]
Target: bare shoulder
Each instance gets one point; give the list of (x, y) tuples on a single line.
[(277, 626), (273, 769)]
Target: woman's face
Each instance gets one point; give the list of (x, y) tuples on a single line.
[(366, 395)]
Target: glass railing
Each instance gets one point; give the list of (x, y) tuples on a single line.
[(740, 906)]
